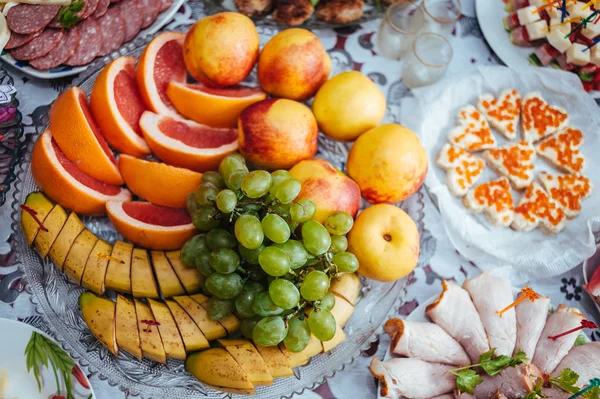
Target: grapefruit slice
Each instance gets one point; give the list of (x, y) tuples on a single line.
[(161, 62), (187, 144), (66, 184), (79, 138), (117, 107), (151, 226), (157, 182), (216, 107)]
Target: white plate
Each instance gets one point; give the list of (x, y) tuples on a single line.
[(490, 14), (14, 338), (62, 71)]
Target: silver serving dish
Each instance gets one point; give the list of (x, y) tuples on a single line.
[(56, 299)]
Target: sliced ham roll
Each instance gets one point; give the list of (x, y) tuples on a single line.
[(425, 341), (549, 352), (490, 294), (512, 382), (499, 395), (412, 378), (555, 393), (531, 319), (456, 314), (463, 395), (584, 360)]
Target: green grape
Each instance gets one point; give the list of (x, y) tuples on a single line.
[(206, 194), (338, 244), (339, 223), (226, 201), (243, 303), (279, 176), (224, 286), (264, 306), (291, 224), (298, 335), (346, 262), (315, 237), (256, 184), (315, 285), (219, 308), (247, 326), (270, 331), (229, 165), (192, 248), (282, 210), (284, 293), (248, 206), (214, 178), (249, 232), (287, 190), (296, 212), (224, 260), (276, 229), (239, 157), (257, 274), (309, 208), (295, 251), (274, 261), (234, 181), (205, 218), (190, 203), (203, 264), (254, 286), (327, 302), (220, 238), (250, 255), (322, 324)]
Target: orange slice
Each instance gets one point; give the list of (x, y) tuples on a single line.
[(62, 181), (117, 107), (157, 182), (79, 138), (151, 226), (161, 62), (216, 107), (187, 144)]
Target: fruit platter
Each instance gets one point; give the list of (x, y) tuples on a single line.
[(189, 233)]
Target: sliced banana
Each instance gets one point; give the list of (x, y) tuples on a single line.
[(4, 32)]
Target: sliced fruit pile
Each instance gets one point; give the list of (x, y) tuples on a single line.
[(98, 265)]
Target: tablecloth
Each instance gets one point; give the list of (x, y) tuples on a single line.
[(351, 46)]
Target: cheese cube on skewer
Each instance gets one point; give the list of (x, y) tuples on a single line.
[(538, 3), (579, 10), (528, 15), (595, 56), (556, 24), (591, 31), (537, 30), (577, 56), (557, 39)]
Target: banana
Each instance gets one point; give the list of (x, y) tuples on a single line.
[(4, 32)]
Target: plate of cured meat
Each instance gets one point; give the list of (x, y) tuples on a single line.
[(534, 32), (477, 341), (53, 41)]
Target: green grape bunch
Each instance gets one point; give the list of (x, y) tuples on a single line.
[(264, 258)]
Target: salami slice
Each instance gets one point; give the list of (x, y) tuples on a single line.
[(149, 10), (88, 9), (39, 46), (65, 49), (131, 17), (101, 9), (55, 24), (113, 31), (18, 40), (165, 4), (90, 41), (30, 18)]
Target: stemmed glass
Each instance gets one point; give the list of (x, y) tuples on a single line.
[(428, 62), (399, 27)]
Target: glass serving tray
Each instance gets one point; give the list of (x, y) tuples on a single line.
[(56, 299)]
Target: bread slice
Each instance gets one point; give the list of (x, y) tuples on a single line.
[(514, 161), (561, 150), (568, 190), (494, 198), (537, 209), (539, 119), (502, 113), (472, 131), (463, 169)]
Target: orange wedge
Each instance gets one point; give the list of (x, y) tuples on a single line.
[(157, 182), (216, 107), (161, 62), (117, 107), (187, 144), (79, 138), (151, 226), (63, 182)]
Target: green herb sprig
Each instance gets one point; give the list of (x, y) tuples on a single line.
[(67, 16), (537, 391)]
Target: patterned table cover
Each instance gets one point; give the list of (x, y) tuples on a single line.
[(357, 47)]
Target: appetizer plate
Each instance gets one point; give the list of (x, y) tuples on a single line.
[(490, 14), (589, 267), (164, 18), (22, 345)]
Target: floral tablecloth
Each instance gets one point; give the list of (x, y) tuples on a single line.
[(349, 46)]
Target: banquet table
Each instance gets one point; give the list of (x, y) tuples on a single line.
[(353, 47)]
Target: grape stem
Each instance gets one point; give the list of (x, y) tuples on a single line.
[(298, 310)]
